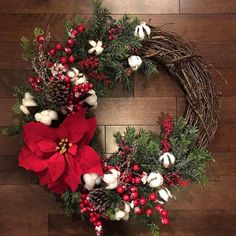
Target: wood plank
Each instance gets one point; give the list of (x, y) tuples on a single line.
[(200, 223), (208, 6), (215, 195), (11, 78), (7, 115), (9, 145), (110, 130), (31, 197), (159, 84), (24, 223), (213, 54), (85, 7), (224, 166), (190, 27), (11, 173), (129, 111)]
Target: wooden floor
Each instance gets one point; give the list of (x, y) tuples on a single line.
[(27, 210)]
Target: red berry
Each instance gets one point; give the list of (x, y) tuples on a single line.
[(90, 86), (138, 210), (136, 168), (137, 180), (159, 208), (122, 153), (142, 201), (99, 223), (165, 221), (74, 32), (52, 52), (81, 28), (120, 190), (68, 50), (149, 212), (152, 197), (134, 195), (164, 213), (71, 59), (125, 197), (58, 47), (111, 37), (40, 39), (70, 42), (63, 60), (67, 79), (135, 202), (133, 189)]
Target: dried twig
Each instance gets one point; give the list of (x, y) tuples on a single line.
[(184, 64)]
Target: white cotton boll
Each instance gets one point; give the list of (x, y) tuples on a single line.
[(24, 110), (155, 180), (165, 194), (111, 179), (28, 96), (29, 102), (144, 178), (70, 74), (46, 120), (127, 207), (167, 159), (142, 30), (135, 62), (53, 115), (119, 215), (91, 100), (80, 80), (91, 180), (46, 117), (126, 217), (96, 47), (37, 117)]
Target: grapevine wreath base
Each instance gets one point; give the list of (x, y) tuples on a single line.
[(59, 128)]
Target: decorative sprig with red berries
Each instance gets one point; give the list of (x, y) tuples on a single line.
[(137, 182)]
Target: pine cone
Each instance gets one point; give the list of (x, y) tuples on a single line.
[(56, 93), (99, 199)]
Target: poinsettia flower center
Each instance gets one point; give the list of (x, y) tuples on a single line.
[(63, 146)]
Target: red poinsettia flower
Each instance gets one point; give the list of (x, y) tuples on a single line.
[(60, 156)]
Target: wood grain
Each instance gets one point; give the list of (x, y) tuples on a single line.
[(85, 7), (191, 27), (208, 6), (120, 111)]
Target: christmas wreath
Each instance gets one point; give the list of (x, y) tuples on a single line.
[(59, 128)]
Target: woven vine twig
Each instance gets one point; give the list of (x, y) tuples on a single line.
[(184, 64)]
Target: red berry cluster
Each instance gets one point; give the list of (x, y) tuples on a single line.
[(86, 207), (89, 63), (99, 77), (58, 48), (112, 32), (174, 179), (163, 213), (124, 149), (35, 83), (168, 125), (75, 98)]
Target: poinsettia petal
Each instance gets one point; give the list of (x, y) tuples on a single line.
[(72, 175), (88, 160), (56, 166), (30, 161), (34, 132), (77, 128), (47, 145), (58, 187), (73, 150)]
